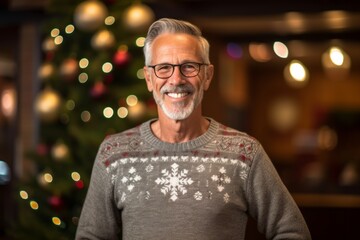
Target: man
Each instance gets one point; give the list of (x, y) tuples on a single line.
[(184, 176)]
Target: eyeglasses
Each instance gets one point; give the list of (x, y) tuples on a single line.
[(166, 70)]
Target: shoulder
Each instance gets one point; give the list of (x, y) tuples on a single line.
[(118, 144), (121, 138), (240, 143), (231, 133)]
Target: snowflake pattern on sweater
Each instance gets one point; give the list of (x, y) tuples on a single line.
[(201, 172)]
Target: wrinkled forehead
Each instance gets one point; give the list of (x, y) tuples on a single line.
[(170, 43)]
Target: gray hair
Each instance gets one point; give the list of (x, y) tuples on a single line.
[(168, 25)]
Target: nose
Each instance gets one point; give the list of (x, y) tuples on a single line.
[(176, 78)]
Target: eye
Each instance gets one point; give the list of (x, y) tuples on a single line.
[(189, 67), (163, 68)]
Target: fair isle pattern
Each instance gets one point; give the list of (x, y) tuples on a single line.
[(201, 173)]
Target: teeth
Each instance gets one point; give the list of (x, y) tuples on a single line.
[(177, 95)]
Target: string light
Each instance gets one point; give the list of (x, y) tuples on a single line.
[(34, 205), (69, 29), (140, 41), (280, 49), (296, 74), (23, 194), (85, 116), (83, 63), (122, 112), (108, 112), (336, 56), (58, 40), (56, 221), (55, 32), (131, 100), (75, 176), (107, 67), (70, 104), (140, 74), (48, 177), (83, 77), (110, 20)]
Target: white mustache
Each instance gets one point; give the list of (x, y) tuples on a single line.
[(177, 89)]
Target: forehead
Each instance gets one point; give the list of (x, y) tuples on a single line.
[(178, 44)]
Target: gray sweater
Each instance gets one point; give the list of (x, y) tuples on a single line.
[(143, 188)]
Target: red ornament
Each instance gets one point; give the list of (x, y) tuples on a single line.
[(69, 69), (98, 90), (42, 149), (55, 202), (121, 57), (79, 184)]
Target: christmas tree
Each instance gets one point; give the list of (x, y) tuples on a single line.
[(91, 84)]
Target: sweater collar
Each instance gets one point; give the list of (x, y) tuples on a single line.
[(149, 137)]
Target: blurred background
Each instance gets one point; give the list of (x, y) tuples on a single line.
[(286, 72)]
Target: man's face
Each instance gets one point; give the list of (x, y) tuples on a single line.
[(177, 96)]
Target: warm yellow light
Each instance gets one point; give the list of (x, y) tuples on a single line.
[(122, 112), (69, 29), (297, 71), (55, 32), (58, 40), (336, 56), (259, 52), (107, 67), (8, 102), (140, 41), (83, 63), (281, 49), (56, 221), (34, 205), (75, 176), (131, 100), (110, 20), (108, 112), (23, 194), (48, 177), (296, 74)]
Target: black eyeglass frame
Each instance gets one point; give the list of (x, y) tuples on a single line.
[(180, 68)]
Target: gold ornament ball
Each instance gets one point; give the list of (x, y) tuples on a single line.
[(45, 71), (138, 17), (60, 151), (103, 40), (49, 45), (69, 69), (48, 105), (90, 15)]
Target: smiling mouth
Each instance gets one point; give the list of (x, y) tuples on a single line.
[(177, 95)]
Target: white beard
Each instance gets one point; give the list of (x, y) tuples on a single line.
[(180, 110)]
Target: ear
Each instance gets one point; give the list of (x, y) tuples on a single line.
[(147, 76), (209, 73)]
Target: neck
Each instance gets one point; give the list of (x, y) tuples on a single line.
[(176, 131)]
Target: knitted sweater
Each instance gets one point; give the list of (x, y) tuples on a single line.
[(143, 188)]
